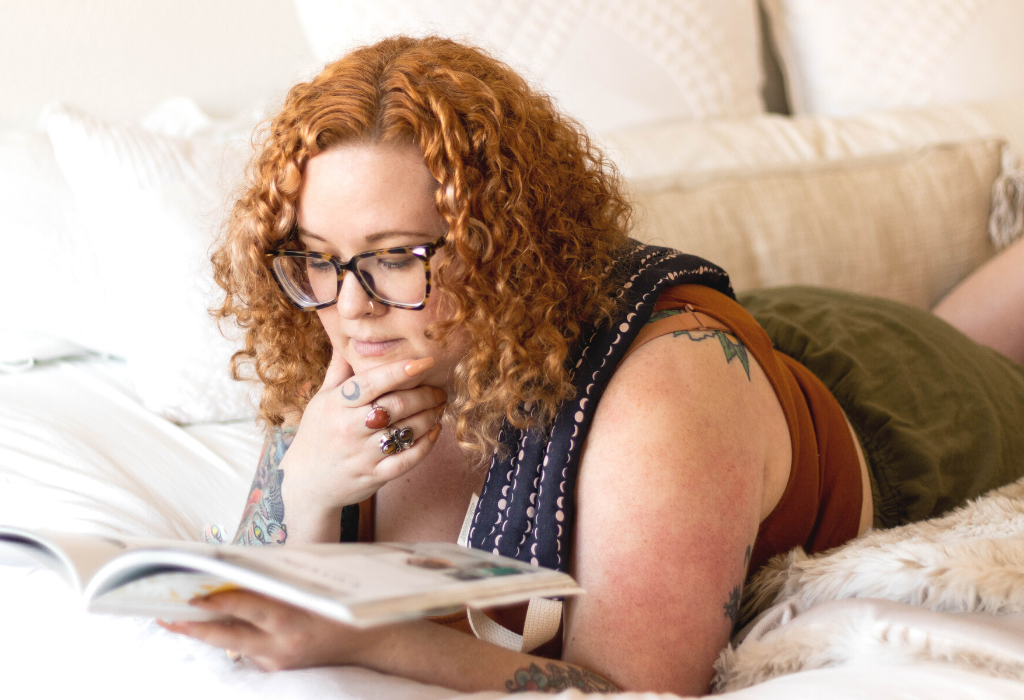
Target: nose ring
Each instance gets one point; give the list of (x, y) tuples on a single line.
[(371, 307)]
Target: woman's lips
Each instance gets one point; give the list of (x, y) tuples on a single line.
[(373, 348)]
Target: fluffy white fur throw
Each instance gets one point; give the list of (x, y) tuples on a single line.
[(968, 561)]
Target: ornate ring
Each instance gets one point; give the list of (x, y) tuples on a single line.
[(378, 418), (404, 436), (394, 441)]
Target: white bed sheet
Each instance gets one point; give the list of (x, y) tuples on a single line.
[(49, 648), (78, 452)]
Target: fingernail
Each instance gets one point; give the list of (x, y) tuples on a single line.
[(440, 409), (434, 433), (440, 395), (416, 366)]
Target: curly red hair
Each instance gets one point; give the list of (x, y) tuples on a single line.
[(535, 214)]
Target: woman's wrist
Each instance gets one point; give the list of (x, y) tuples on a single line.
[(308, 518), (431, 653)]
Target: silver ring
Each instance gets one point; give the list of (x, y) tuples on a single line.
[(395, 440)]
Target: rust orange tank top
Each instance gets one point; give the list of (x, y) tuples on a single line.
[(821, 505)]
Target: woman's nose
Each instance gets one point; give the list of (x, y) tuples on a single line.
[(353, 301)]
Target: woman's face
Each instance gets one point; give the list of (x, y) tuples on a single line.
[(360, 197)]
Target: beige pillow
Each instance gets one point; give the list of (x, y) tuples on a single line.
[(907, 226)]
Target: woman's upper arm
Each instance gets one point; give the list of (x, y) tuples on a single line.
[(669, 499)]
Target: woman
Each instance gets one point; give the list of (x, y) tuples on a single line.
[(440, 297)]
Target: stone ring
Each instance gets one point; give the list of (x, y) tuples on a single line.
[(378, 418), (394, 441)]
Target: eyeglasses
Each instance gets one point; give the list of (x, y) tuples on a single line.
[(397, 277)]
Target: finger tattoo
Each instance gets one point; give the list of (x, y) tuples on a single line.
[(350, 390)]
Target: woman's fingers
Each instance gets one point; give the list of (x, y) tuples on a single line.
[(420, 423), (402, 405), (237, 635), (363, 388), (396, 465), (242, 605)]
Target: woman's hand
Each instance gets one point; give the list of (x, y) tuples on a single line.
[(275, 635), (335, 460)]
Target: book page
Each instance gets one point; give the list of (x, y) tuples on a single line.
[(355, 574), (76, 557), (362, 584)]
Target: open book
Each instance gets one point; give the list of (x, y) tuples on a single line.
[(361, 584)]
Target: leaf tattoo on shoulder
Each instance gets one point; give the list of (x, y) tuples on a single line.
[(659, 315), (263, 516), (733, 348)]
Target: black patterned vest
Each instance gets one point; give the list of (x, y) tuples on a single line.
[(526, 506)]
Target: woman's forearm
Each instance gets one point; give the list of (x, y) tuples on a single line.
[(430, 653), (274, 513)]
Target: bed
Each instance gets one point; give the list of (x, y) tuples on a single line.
[(117, 414)]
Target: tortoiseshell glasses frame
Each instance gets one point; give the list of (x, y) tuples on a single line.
[(421, 252)]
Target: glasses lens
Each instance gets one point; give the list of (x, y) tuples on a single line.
[(308, 281), (399, 278)]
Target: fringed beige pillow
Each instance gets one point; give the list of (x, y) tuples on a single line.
[(907, 226)]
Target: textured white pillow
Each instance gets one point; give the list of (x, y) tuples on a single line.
[(47, 286), (610, 63), (152, 206), (848, 56)]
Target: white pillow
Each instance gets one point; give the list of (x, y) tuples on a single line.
[(610, 63), (47, 285), (768, 141), (848, 56), (152, 206), (22, 350)]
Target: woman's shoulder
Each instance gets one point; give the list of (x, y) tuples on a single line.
[(682, 378), (689, 404)]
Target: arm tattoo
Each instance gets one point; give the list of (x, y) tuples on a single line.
[(732, 606), (732, 347), (263, 517), (350, 390), (555, 678)]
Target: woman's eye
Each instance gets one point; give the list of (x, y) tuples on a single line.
[(395, 263), (319, 266)]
